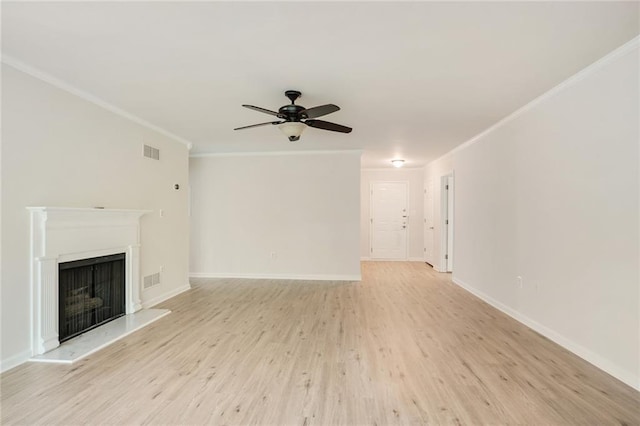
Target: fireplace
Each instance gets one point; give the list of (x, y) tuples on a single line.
[(64, 236), (90, 293)]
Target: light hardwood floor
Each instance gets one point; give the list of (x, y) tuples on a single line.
[(404, 346)]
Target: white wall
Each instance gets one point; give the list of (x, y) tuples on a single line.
[(414, 177), (551, 194), (304, 208), (60, 150), (434, 172)]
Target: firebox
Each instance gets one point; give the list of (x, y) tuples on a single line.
[(91, 293)]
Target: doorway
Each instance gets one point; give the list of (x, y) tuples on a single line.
[(389, 220)]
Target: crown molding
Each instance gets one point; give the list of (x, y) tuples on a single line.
[(63, 85), (272, 153), (612, 56)]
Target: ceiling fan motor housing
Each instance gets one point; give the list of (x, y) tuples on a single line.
[(292, 112)]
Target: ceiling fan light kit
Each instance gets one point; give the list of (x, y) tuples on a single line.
[(295, 118), (292, 129)]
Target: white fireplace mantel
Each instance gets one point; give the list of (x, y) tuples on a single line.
[(64, 234)]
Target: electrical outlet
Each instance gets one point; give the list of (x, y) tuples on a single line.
[(161, 268), (161, 213), (519, 281), (274, 255)]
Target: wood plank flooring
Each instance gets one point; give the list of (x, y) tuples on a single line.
[(404, 346)]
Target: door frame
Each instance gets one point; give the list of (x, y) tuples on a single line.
[(406, 240), (429, 212), (447, 209)]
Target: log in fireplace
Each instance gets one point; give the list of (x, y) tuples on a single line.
[(91, 293)]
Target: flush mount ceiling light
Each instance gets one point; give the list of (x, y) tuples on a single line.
[(397, 163), (292, 129)]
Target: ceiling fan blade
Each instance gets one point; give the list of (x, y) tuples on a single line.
[(319, 111), (266, 111), (325, 125), (258, 125)]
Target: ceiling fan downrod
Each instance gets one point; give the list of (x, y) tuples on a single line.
[(292, 95)]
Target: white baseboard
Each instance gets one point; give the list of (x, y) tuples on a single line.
[(168, 295), (14, 361), (305, 277), (410, 259), (602, 363)]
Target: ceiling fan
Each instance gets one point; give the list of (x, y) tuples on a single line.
[(294, 118)]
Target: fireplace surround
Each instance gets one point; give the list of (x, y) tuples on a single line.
[(62, 234)]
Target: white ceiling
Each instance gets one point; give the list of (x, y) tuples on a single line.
[(413, 79)]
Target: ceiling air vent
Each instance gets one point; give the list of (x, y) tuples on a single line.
[(151, 152)]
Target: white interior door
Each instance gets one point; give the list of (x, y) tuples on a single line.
[(389, 220), (429, 204)]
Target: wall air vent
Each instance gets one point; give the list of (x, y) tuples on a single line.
[(151, 152), (151, 280)]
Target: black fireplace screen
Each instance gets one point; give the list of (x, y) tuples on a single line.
[(91, 292)]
